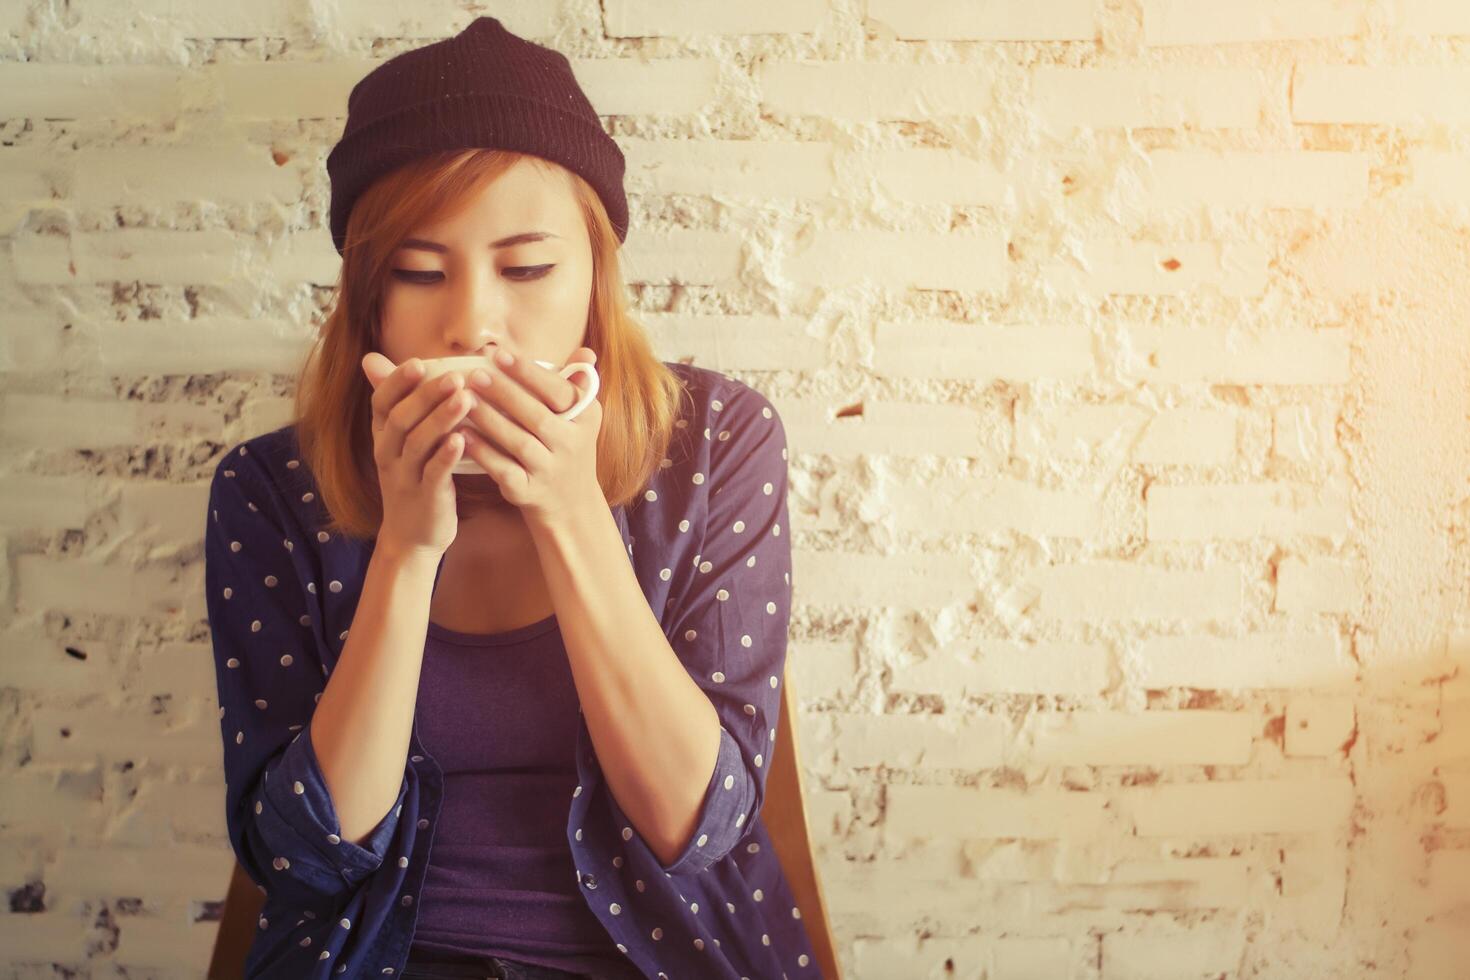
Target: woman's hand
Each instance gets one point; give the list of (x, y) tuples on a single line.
[(543, 464)]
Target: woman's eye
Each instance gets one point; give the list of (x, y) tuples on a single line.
[(520, 273)]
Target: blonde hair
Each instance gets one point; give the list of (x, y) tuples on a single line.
[(333, 412)]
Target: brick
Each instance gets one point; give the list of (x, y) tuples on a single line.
[(28, 180), (914, 581), (1001, 504), (437, 19), (303, 257), (1174, 355), (920, 741), (1114, 431), (871, 90), (661, 86), (1239, 511), (691, 18), (1149, 738), (684, 255), (898, 260), (1065, 99), (736, 342), (1011, 957), (1189, 437), (981, 352), (44, 799), (1448, 17), (39, 663), (1318, 585), (279, 90), (1260, 660), (158, 945), (1314, 886), (47, 421), (91, 587), (824, 670), (1304, 433), (1456, 814), (167, 667), (1111, 591), (1201, 883), (1204, 22), (1284, 806), (1197, 952), (153, 255), (120, 735), (896, 428), (14, 20), (164, 871), (1103, 266), (44, 503), (1439, 175), (926, 175), (1002, 667), (1448, 872), (59, 936), (46, 90), (1319, 726), (30, 342), (956, 811), (203, 346), (1042, 20), (186, 809), (1256, 179), (162, 21), (760, 170), (156, 175), (1403, 95), (167, 513)]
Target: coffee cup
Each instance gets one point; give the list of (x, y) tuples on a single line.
[(433, 367)]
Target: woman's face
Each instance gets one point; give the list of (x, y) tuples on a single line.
[(512, 269)]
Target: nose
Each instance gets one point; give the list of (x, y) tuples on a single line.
[(474, 320)]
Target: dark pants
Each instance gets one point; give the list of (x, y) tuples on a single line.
[(440, 967)]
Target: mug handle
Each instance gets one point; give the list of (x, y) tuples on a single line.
[(588, 393)]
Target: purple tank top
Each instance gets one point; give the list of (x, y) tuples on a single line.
[(498, 713)]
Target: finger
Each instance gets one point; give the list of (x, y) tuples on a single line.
[(389, 383), (494, 462), (495, 428), (525, 392), (441, 466), (427, 437), (405, 418)]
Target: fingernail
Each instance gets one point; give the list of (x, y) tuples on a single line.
[(480, 377), (504, 358)]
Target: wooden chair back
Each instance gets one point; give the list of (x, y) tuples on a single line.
[(783, 813)]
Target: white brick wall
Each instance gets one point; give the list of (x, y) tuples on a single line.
[(1122, 346)]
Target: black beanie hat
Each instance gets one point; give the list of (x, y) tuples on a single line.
[(482, 88)]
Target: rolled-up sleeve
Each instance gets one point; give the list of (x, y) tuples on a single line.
[(269, 675), (729, 623)]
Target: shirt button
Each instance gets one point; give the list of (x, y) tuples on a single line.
[(590, 881)]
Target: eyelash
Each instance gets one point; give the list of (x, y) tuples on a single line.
[(418, 278)]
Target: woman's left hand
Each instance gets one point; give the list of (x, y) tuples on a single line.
[(544, 464)]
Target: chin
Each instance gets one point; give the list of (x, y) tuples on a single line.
[(476, 492)]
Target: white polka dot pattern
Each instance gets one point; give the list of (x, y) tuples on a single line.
[(712, 551)]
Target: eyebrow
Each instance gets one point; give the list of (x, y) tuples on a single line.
[(525, 236)]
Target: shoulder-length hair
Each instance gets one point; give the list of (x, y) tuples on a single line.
[(333, 412)]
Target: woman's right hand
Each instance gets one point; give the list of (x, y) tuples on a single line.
[(415, 460)]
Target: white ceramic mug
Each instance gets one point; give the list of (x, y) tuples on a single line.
[(433, 367)]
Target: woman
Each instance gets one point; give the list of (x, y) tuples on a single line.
[(541, 752)]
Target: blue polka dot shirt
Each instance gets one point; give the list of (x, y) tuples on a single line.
[(709, 541)]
